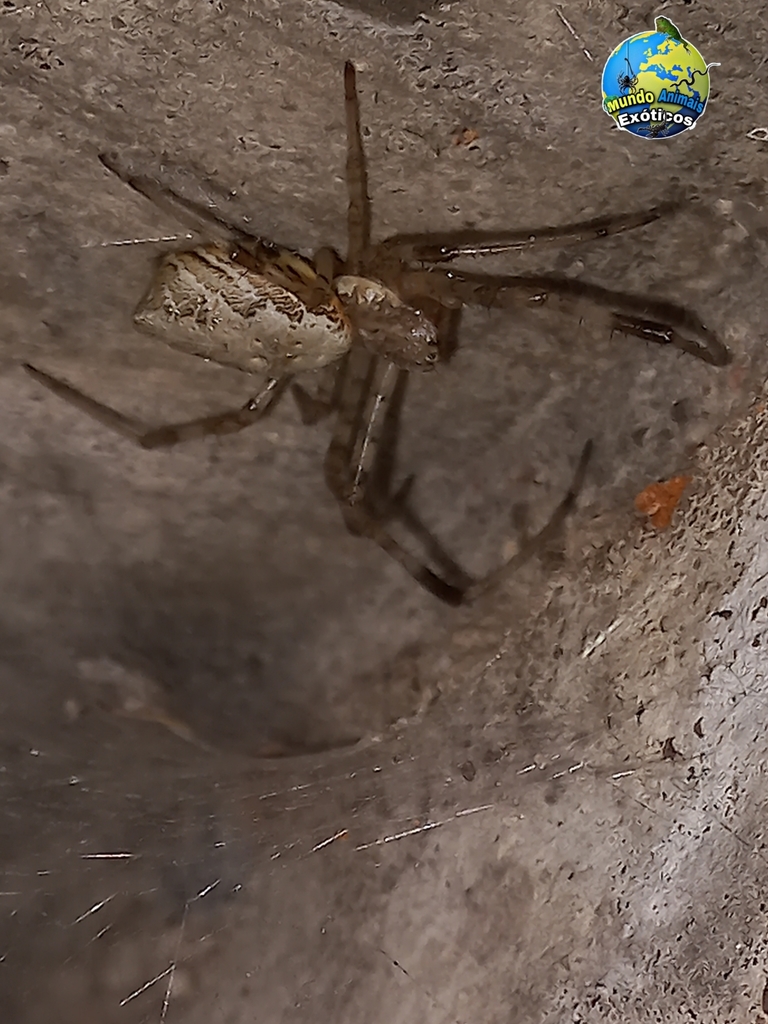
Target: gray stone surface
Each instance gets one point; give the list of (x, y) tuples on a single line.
[(570, 830)]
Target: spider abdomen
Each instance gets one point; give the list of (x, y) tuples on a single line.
[(262, 312)]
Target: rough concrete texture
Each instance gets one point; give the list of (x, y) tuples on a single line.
[(570, 828)]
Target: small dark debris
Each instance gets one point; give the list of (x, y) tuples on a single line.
[(493, 754), (680, 413), (764, 998), (725, 613), (639, 436), (468, 770), (640, 711), (668, 751), (698, 729)]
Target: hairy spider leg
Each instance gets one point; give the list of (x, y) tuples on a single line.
[(359, 212), (313, 408), (446, 246), (392, 503), (203, 219), (368, 385), (229, 422), (664, 323), (382, 500)]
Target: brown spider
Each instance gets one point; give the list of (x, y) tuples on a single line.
[(242, 301)]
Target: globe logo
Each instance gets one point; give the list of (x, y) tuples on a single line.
[(656, 84)]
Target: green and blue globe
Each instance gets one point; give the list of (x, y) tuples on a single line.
[(655, 86)]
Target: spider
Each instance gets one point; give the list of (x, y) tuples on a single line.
[(627, 80), (385, 310)]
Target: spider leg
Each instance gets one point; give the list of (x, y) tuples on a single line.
[(313, 408), (441, 248), (655, 320), (368, 385), (540, 540), (328, 264), (379, 494), (400, 508), (392, 504), (199, 217), (359, 212), (163, 437)]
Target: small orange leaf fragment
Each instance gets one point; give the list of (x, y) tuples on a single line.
[(659, 501), (466, 137)]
